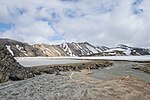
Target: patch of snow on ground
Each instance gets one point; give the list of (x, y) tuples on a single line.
[(127, 52), (91, 49), (37, 61), (44, 52), (118, 58), (98, 49), (70, 52), (26, 54), (8, 48), (116, 49), (18, 47), (79, 47), (65, 46), (33, 61)]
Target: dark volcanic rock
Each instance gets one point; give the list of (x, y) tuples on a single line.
[(9, 67), (51, 69)]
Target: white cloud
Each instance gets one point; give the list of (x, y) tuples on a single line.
[(101, 22)]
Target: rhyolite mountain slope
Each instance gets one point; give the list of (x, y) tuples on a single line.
[(20, 49), (81, 49)]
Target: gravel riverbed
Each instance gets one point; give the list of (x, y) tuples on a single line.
[(75, 86)]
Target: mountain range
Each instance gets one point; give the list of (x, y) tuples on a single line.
[(20, 49)]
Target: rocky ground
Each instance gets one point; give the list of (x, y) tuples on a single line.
[(143, 67), (75, 86)]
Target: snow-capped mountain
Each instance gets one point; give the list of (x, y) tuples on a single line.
[(50, 50), (127, 50), (20, 49), (81, 49)]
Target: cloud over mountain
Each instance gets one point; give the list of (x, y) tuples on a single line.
[(106, 22)]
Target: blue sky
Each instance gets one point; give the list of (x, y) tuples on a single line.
[(5, 26), (100, 22)]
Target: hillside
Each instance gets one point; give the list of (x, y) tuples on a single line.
[(20, 49)]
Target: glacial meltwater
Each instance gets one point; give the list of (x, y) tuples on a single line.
[(119, 69)]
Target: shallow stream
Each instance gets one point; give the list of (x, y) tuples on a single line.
[(119, 69)]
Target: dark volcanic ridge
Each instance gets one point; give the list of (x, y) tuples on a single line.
[(9, 67)]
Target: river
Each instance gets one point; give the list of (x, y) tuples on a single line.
[(119, 69)]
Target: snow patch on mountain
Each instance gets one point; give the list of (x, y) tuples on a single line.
[(19, 47), (92, 49), (114, 50), (65, 46), (8, 48), (56, 51)]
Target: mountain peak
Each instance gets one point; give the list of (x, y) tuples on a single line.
[(123, 46)]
